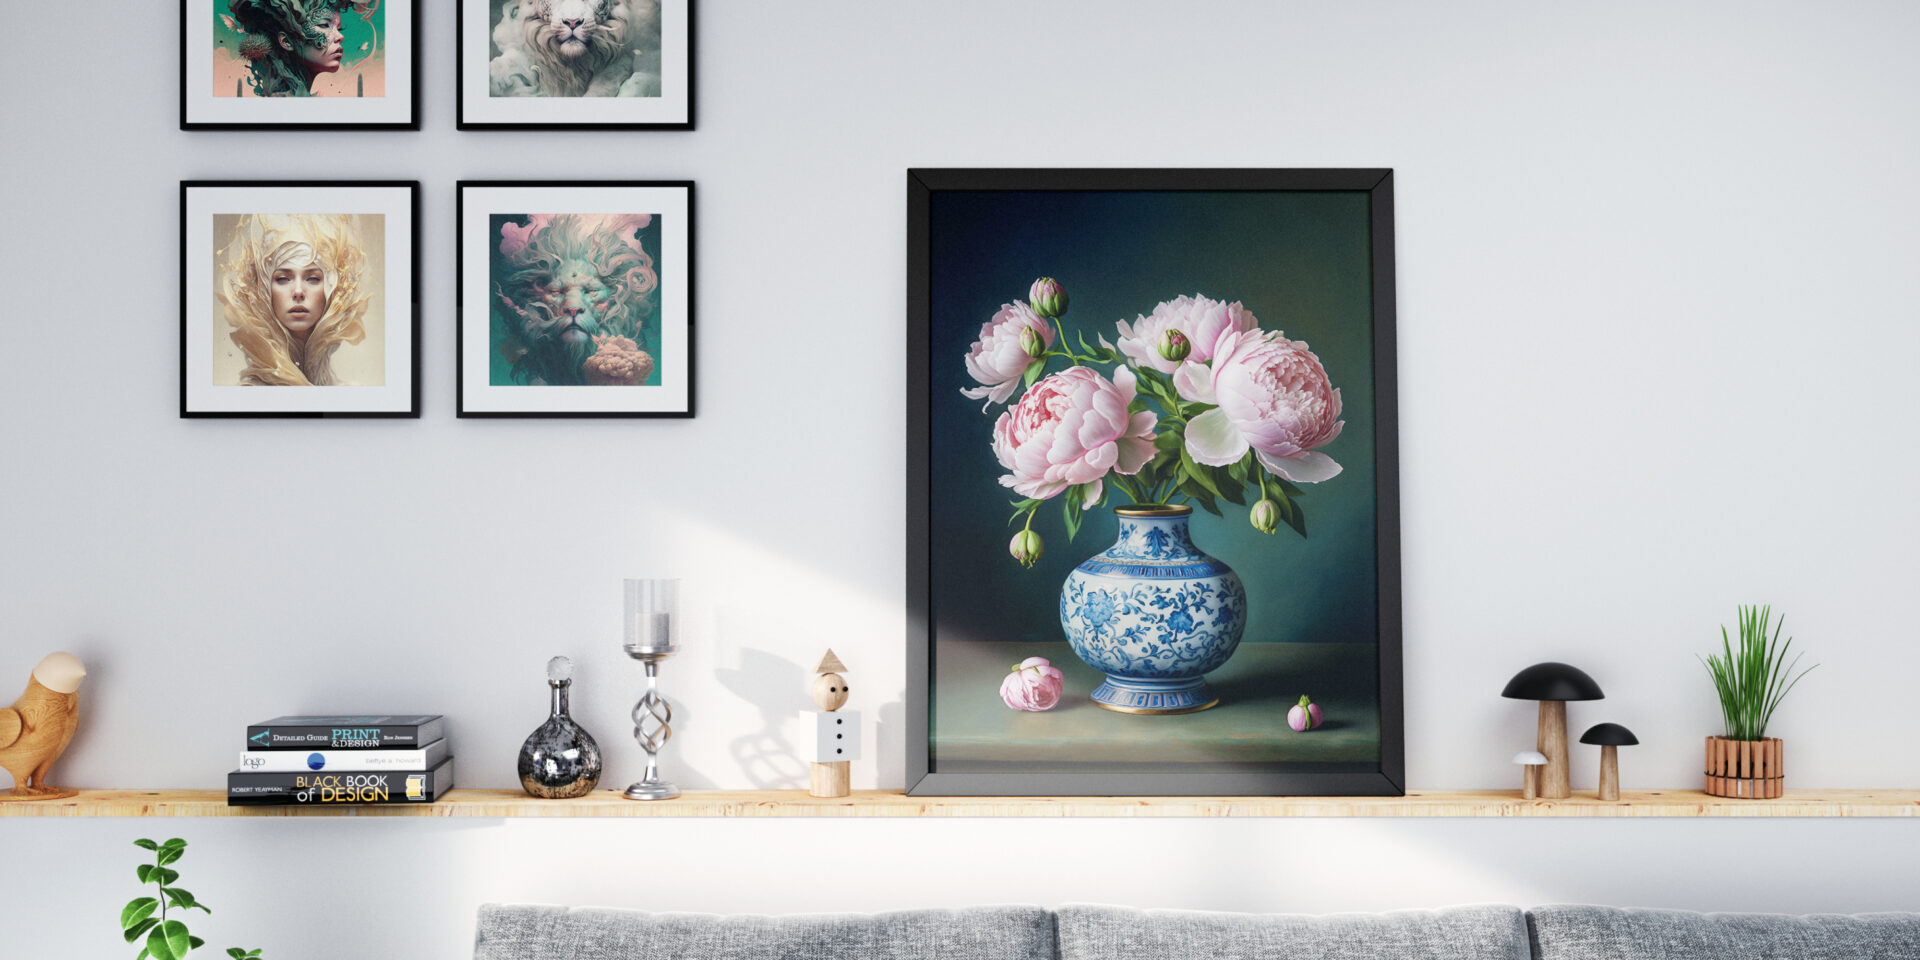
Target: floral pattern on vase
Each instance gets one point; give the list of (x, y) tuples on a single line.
[(1154, 613)]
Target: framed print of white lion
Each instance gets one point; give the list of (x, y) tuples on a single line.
[(576, 299), (576, 64)]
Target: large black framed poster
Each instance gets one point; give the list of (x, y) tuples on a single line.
[(1152, 483)]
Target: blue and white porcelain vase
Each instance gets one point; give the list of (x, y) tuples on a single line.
[(1154, 614)]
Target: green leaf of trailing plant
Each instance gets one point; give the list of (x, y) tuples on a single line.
[(136, 911), (235, 953), (146, 844), (145, 872), (144, 954), (169, 855), (184, 899), (140, 929), (196, 942), (164, 876), (169, 941), (1034, 370), (175, 842)]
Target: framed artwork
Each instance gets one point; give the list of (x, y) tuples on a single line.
[(300, 64), (299, 284), (575, 64), (576, 299), (1152, 483)]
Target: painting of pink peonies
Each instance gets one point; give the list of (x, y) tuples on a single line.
[(1153, 484)]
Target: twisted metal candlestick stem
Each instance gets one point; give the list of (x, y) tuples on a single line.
[(655, 709)]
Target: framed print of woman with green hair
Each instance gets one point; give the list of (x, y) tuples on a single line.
[(300, 64), (299, 285)]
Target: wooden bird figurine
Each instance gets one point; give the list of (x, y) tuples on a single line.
[(837, 732), (39, 725)]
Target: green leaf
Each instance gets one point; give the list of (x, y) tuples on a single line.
[(169, 941), (144, 954), (147, 844), (1021, 508), (175, 842), (164, 876), (184, 899), (140, 929), (1234, 493), (145, 872), (1287, 485), (136, 911), (170, 854), (1200, 496), (1197, 473), (1070, 509), (1034, 370), (235, 953), (196, 942), (1239, 471)]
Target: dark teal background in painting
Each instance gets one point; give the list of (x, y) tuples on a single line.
[(1300, 261)]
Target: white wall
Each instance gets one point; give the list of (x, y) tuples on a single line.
[(1656, 327)]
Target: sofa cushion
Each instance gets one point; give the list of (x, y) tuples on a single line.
[(1460, 933), (1612, 933), (510, 932)]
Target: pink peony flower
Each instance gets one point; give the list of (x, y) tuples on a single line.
[(1069, 430), (1273, 395), (998, 358), (1202, 321), (1034, 684)]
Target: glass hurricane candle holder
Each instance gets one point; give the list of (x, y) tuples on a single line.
[(651, 606)]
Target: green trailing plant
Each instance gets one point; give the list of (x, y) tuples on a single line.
[(145, 920), (1754, 676)]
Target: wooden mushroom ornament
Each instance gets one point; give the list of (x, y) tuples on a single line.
[(1553, 684), (1610, 737), (837, 732), (1531, 761)]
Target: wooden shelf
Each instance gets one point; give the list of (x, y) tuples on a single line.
[(877, 803)]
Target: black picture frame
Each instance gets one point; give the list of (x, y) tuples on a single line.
[(460, 98), (413, 46), (413, 301), (922, 779), (461, 319)]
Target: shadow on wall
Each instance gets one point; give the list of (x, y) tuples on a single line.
[(776, 687)]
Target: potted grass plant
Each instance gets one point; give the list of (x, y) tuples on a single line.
[(1752, 676)]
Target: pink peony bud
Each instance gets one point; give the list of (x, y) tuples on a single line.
[(1027, 548), (1034, 684), (1047, 297), (1265, 516), (1174, 346), (1031, 343), (1304, 716)]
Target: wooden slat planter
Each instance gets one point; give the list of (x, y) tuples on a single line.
[(1746, 769)]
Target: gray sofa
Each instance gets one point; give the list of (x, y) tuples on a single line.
[(1100, 933)]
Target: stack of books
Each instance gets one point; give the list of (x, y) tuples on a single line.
[(343, 760)]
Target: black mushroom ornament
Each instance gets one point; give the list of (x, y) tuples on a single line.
[(1610, 737), (1553, 684)]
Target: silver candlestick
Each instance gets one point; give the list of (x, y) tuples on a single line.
[(651, 605)]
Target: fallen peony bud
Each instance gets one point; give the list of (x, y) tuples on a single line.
[(1034, 685), (1304, 716)]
